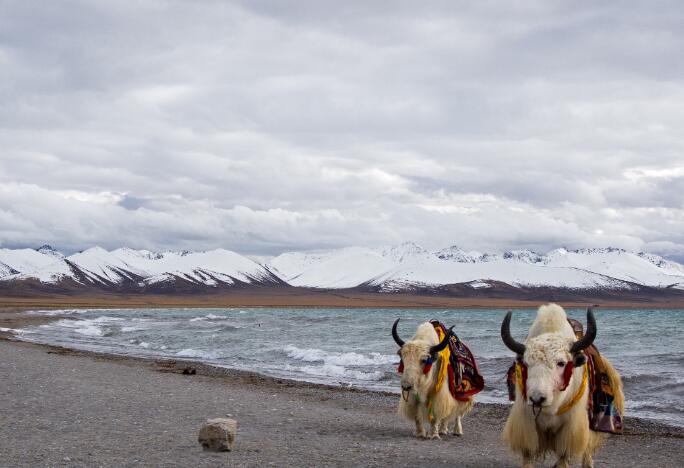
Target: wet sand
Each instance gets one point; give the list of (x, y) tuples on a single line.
[(60, 407)]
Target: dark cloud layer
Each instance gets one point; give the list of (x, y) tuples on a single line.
[(268, 126)]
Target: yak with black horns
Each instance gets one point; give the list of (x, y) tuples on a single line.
[(551, 384), (425, 395)]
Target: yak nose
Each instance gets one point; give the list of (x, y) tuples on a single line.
[(537, 401), (406, 387)]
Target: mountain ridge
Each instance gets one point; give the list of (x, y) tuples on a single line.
[(397, 268)]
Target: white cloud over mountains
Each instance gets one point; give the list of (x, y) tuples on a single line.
[(266, 126)]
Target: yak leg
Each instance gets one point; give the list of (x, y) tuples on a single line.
[(458, 428), (587, 461), (562, 463), (528, 461), (420, 431), (434, 429), (444, 428)]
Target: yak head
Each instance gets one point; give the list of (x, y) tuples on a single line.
[(417, 358), (551, 354)]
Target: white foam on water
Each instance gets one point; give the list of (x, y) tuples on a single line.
[(89, 330), (196, 353), (53, 312), (337, 372), (16, 331), (105, 319), (82, 327), (210, 317), (339, 359)]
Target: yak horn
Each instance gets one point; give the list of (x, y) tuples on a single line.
[(516, 347), (395, 335), (443, 344), (589, 336)]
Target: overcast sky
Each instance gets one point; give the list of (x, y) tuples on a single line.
[(265, 126)]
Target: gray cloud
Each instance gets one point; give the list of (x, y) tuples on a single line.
[(263, 126)]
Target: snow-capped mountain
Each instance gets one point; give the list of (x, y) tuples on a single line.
[(391, 268), (6, 270), (343, 268), (406, 265), (137, 268)]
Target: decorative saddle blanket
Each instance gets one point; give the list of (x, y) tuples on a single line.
[(463, 374), (603, 415)]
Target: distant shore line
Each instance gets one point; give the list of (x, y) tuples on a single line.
[(331, 299)]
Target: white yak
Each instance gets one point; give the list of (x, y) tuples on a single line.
[(550, 410), (421, 402)]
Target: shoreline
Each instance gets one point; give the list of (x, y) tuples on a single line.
[(20, 319), (634, 425), (68, 407)]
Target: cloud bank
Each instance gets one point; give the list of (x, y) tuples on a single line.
[(272, 126)]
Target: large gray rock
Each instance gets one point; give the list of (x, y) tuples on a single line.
[(218, 434)]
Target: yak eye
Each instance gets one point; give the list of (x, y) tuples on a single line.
[(560, 364)]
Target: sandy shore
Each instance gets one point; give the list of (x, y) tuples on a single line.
[(301, 297), (68, 408)]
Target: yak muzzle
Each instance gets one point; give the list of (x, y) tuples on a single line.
[(405, 391)]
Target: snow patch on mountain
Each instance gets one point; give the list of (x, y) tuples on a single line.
[(29, 263), (389, 268), (101, 267), (343, 268), (49, 250), (409, 265), (456, 254), (6, 270)]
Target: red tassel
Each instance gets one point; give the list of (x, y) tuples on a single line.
[(400, 369), (426, 368), (567, 375)]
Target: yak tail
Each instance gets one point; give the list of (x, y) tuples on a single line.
[(615, 385)]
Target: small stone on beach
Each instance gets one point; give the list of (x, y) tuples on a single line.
[(218, 434)]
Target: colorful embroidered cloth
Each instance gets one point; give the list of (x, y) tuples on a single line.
[(603, 415), (463, 374)]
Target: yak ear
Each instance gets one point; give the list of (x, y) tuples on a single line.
[(579, 359)]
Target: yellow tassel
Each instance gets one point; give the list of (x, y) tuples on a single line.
[(444, 355)]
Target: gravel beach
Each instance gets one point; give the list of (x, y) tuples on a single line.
[(68, 408)]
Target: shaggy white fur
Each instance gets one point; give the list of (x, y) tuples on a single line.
[(445, 408), (532, 432)]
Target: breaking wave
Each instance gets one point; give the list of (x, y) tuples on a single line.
[(338, 372), (196, 353), (339, 359)]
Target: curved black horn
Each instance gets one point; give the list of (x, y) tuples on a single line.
[(443, 344), (395, 335), (516, 347), (589, 336)]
